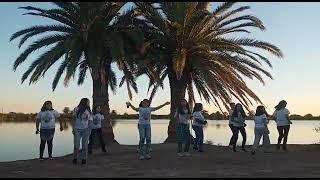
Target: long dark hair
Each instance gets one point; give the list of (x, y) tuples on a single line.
[(235, 111), (83, 106), (145, 100), (44, 106), (260, 111), (282, 104), (94, 110), (197, 107), (180, 108)]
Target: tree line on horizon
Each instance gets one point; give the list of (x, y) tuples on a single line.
[(66, 115)]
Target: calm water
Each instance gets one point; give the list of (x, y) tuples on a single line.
[(19, 141)]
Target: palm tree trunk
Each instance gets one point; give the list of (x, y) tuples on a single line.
[(101, 98), (178, 91)]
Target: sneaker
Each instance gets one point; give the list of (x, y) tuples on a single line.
[(41, 159), (148, 156), (253, 152), (180, 154), (84, 161), (50, 157), (187, 154), (234, 150), (200, 150), (138, 149), (74, 161), (244, 150), (141, 157)]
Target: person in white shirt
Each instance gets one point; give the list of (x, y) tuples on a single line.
[(183, 115), (197, 126), (144, 126), (96, 129), (281, 115), (261, 129), (232, 105), (238, 119), (82, 121), (47, 118)]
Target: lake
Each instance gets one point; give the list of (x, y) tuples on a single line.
[(19, 141)]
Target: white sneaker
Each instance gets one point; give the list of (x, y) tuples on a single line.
[(187, 154), (148, 156), (180, 154), (141, 157)]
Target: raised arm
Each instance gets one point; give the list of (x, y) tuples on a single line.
[(161, 106), (130, 105)]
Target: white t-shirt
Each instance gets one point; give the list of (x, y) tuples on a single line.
[(145, 115), (281, 117), (182, 118), (97, 118), (47, 119), (238, 121), (197, 115), (230, 115), (260, 121), (82, 120)]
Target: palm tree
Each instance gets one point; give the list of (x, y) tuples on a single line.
[(86, 36), (195, 48)]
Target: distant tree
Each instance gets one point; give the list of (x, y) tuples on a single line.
[(308, 116), (113, 114), (66, 110)]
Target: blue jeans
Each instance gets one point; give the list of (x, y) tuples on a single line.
[(199, 136), (145, 135), (258, 133), (83, 136), (183, 136)]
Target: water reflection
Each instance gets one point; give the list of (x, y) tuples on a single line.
[(19, 141)]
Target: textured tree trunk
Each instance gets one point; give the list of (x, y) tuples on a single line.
[(178, 91), (101, 98)]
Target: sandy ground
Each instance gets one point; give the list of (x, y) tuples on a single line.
[(216, 161)]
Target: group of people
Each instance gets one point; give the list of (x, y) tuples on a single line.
[(86, 124), (261, 119)]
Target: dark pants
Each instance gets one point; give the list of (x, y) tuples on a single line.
[(231, 128), (199, 137), (95, 132), (183, 136), (234, 137), (283, 134), (46, 137)]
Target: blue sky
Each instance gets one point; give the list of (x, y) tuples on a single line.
[(293, 27)]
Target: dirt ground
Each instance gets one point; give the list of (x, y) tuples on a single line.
[(216, 161)]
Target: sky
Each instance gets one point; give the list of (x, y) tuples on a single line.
[(292, 26)]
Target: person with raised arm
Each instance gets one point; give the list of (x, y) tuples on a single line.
[(144, 126)]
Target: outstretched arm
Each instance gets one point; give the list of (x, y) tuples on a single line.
[(161, 106), (130, 105)]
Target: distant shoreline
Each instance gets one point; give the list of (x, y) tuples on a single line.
[(20, 117)]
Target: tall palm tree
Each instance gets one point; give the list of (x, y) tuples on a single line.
[(196, 48), (85, 37)]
